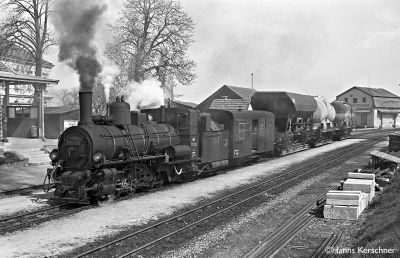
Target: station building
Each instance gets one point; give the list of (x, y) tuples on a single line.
[(372, 107), (22, 95)]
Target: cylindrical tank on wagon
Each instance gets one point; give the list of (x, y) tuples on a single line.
[(331, 111), (324, 110), (321, 113), (343, 111)]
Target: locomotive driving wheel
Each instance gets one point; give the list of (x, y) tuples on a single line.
[(144, 177)]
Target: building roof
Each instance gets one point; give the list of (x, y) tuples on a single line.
[(59, 110), (25, 79), (184, 103), (244, 93), (373, 92), (16, 54), (227, 91), (230, 104)]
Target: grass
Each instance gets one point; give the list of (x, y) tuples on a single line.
[(382, 227), (9, 157)]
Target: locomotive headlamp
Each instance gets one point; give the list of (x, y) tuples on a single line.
[(54, 155), (97, 157)]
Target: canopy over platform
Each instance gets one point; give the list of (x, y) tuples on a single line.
[(39, 83), (283, 103), (12, 78)]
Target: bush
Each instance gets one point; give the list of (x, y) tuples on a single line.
[(9, 157), (382, 228)]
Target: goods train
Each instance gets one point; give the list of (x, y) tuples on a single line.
[(127, 151), (303, 121)]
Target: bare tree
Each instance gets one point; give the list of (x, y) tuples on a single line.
[(26, 26), (70, 98), (151, 40)]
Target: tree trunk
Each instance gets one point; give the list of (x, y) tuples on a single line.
[(38, 72)]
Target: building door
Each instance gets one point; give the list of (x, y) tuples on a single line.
[(364, 120)]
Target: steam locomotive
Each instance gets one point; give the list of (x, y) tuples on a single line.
[(127, 151)]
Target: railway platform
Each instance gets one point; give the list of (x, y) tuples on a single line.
[(16, 178)]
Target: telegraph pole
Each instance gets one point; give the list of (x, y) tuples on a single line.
[(252, 75)]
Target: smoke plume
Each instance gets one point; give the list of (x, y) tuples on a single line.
[(108, 74), (76, 23), (147, 94)]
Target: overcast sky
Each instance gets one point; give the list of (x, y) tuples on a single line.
[(309, 47)]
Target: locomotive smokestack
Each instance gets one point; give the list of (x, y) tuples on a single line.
[(85, 104)]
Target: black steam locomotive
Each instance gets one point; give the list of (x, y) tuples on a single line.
[(128, 151)]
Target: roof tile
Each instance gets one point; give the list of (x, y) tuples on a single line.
[(230, 104)]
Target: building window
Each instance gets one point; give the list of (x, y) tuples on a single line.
[(364, 100), (22, 112), (346, 99), (11, 113), (354, 100)]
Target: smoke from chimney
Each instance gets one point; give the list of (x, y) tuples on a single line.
[(76, 22), (146, 94)]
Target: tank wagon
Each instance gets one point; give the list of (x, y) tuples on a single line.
[(127, 151), (303, 121)]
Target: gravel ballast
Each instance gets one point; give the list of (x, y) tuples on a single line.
[(10, 205)]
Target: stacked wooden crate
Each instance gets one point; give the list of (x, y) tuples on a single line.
[(359, 189)]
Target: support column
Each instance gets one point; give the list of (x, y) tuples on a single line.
[(39, 96), (41, 112), (6, 102)]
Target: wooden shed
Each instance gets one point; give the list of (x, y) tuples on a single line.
[(57, 119)]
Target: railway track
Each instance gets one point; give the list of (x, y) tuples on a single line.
[(191, 219), (25, 190), (274, 243), (286, 232), (324, 249), (14, 222)]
